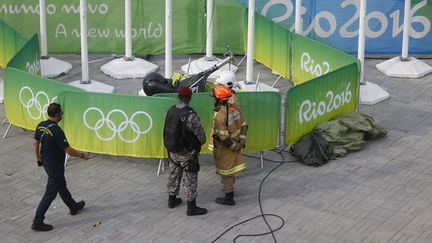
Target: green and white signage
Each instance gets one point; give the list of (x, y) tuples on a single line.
[(27, 96), (320, 100), (115, 124)]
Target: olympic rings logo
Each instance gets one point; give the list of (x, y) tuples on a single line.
[(114, 129), (40, 101)]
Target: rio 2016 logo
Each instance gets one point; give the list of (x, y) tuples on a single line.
[(312, 110), (309, 65), (115, 129), (420, 25)]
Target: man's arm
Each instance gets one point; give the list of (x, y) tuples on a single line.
[(194, 125), (75, 153), (36, 144)]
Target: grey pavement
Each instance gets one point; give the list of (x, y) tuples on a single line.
[(382, 193)]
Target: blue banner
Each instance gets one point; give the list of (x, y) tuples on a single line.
[(336, 22)]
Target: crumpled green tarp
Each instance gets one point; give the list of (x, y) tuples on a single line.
[(348, 132), (337, 137)]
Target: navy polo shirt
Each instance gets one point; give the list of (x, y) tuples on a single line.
[(52, 144)]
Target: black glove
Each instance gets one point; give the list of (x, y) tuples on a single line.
[(227, 143)]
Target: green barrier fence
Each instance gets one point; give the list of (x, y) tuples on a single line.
[(28, 58), (115, 124), (262, 113), (312, 59), (27, 96), (319, 100), (10, 43), (132, 126), (272, 45)]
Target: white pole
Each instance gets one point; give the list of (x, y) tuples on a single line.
[(250, 42), (168, 38), (43, 31), (406, 30), (128, 32), (298, 20), (361, 39), (209, 41), (84, 51)]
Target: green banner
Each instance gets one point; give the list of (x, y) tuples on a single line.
[(26, 97), (319, 100), (105, 20), (115, 124), (10, 42), (261, 110), (272, 45), (312, 59), (28, 58)]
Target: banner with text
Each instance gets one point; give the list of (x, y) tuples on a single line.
[(105, 19), (272, 45), (262, 113), (10, 43), (336, 22), (115, 124), (312, 59), (28, 58), (319, 100), (27, 96)]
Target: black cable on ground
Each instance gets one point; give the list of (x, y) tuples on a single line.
[(263, 215)]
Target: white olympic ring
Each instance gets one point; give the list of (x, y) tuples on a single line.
[(33, 101), (117, 130)]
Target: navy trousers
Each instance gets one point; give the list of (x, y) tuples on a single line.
[(56, 184)]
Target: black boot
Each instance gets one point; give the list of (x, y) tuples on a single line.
[(227, 200), (193, 210), (173, 201), (80, 205), (41, 227)]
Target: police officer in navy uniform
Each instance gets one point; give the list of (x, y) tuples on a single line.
[(50, 146)]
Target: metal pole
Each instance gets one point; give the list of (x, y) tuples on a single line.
[(298, 20), (43, 31), (84, 50), (406, 30), (250, 42), (7, 131), (209, 41), (262, 159), (159, 166), (128, 31), (168, 38), (361, 39)]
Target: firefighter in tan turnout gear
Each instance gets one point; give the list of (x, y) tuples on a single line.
[(229, 138)]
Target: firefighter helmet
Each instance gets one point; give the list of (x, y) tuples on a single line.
[(222, 92), (227, 78)]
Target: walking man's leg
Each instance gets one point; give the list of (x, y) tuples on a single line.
[(49, 196)]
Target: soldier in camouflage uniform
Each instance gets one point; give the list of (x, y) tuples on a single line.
[(183, 138)]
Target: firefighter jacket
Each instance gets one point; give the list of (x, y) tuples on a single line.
[(229, 138)]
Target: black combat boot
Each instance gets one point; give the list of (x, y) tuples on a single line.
[(173, 201), (227, 200), (193, 210)]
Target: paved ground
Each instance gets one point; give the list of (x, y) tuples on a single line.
[(382, 193)]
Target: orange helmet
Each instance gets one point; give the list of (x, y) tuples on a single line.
[(222, 92)]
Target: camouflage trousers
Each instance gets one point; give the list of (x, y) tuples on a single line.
[(190, 181)]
